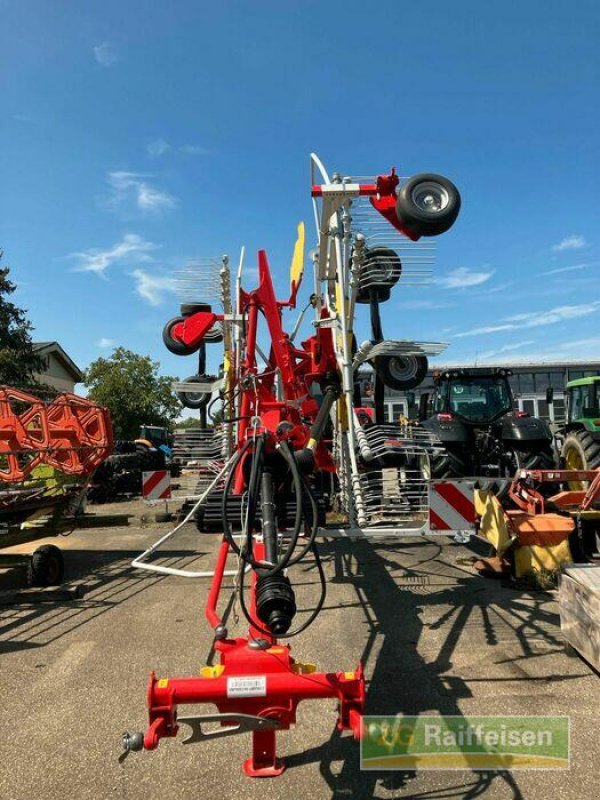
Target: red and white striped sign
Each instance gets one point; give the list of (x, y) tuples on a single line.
[(451, 506), (156, 485)]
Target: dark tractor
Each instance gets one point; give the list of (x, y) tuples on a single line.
[(482, 434)]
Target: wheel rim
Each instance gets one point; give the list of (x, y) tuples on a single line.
[(574, 460), (403, 369), (430, 197)]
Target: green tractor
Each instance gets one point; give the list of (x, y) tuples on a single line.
[(581, 444)]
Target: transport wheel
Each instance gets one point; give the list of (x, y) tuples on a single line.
[(46, 567), (401, 372), (195, 400), (381, 271), (580, 451), (215, 334), (187, 309), (174, 345), (428, 204)]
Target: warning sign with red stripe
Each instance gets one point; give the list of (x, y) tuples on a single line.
[(451, 506), (156, 485)]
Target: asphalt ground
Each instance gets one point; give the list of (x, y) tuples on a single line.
[(434, 638)]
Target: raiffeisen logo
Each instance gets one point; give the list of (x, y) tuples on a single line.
[(456, 742)]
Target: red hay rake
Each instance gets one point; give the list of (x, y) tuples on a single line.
[(291, 442)]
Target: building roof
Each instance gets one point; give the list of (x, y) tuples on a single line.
[(53, 348), (515, 365)]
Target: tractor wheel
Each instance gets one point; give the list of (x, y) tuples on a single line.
[(174, 345), (580, 451), (194, 400), (514, 459), (46, 567), (401, 372), (428, 204), (448, 464)]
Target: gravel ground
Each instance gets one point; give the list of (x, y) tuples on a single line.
[(433, 636)]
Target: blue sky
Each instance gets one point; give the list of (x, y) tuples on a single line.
[(138, 136)]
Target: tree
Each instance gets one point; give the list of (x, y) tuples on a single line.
[(129, 386), (18, 360), (188, 422)]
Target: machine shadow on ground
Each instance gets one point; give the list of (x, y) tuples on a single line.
[(400, 680), (109, 582)]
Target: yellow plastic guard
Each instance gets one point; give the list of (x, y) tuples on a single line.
[(297, 265), (212, 672), (492, 521), (538, 558)]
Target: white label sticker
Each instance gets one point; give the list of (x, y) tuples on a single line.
[(248, 686)]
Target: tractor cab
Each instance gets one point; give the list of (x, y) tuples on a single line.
[(583, 401), (581, 443), (158, 437), (473, 416), (476, 399)]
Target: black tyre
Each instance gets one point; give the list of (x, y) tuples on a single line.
[(149, 458), (215, 334), (123, 446), (187, 309), (163, 517), (428, 204), (381, 270), (515, 459), (195, 400), (448, 464), (536, 458), (173, 345), (46, 567), (401, 372), (378, 293)]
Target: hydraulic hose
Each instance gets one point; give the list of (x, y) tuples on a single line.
[(272, 566)]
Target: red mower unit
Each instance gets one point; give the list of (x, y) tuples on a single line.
[(291, 445)]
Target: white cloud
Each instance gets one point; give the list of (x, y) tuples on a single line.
[(104, 342), (152, 287), (130, 185), (105, 54), (158, 148), (98, 261), (574, 350), (535, 319), (507, 348), (462, 277), (573, 268), (570, 243)]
